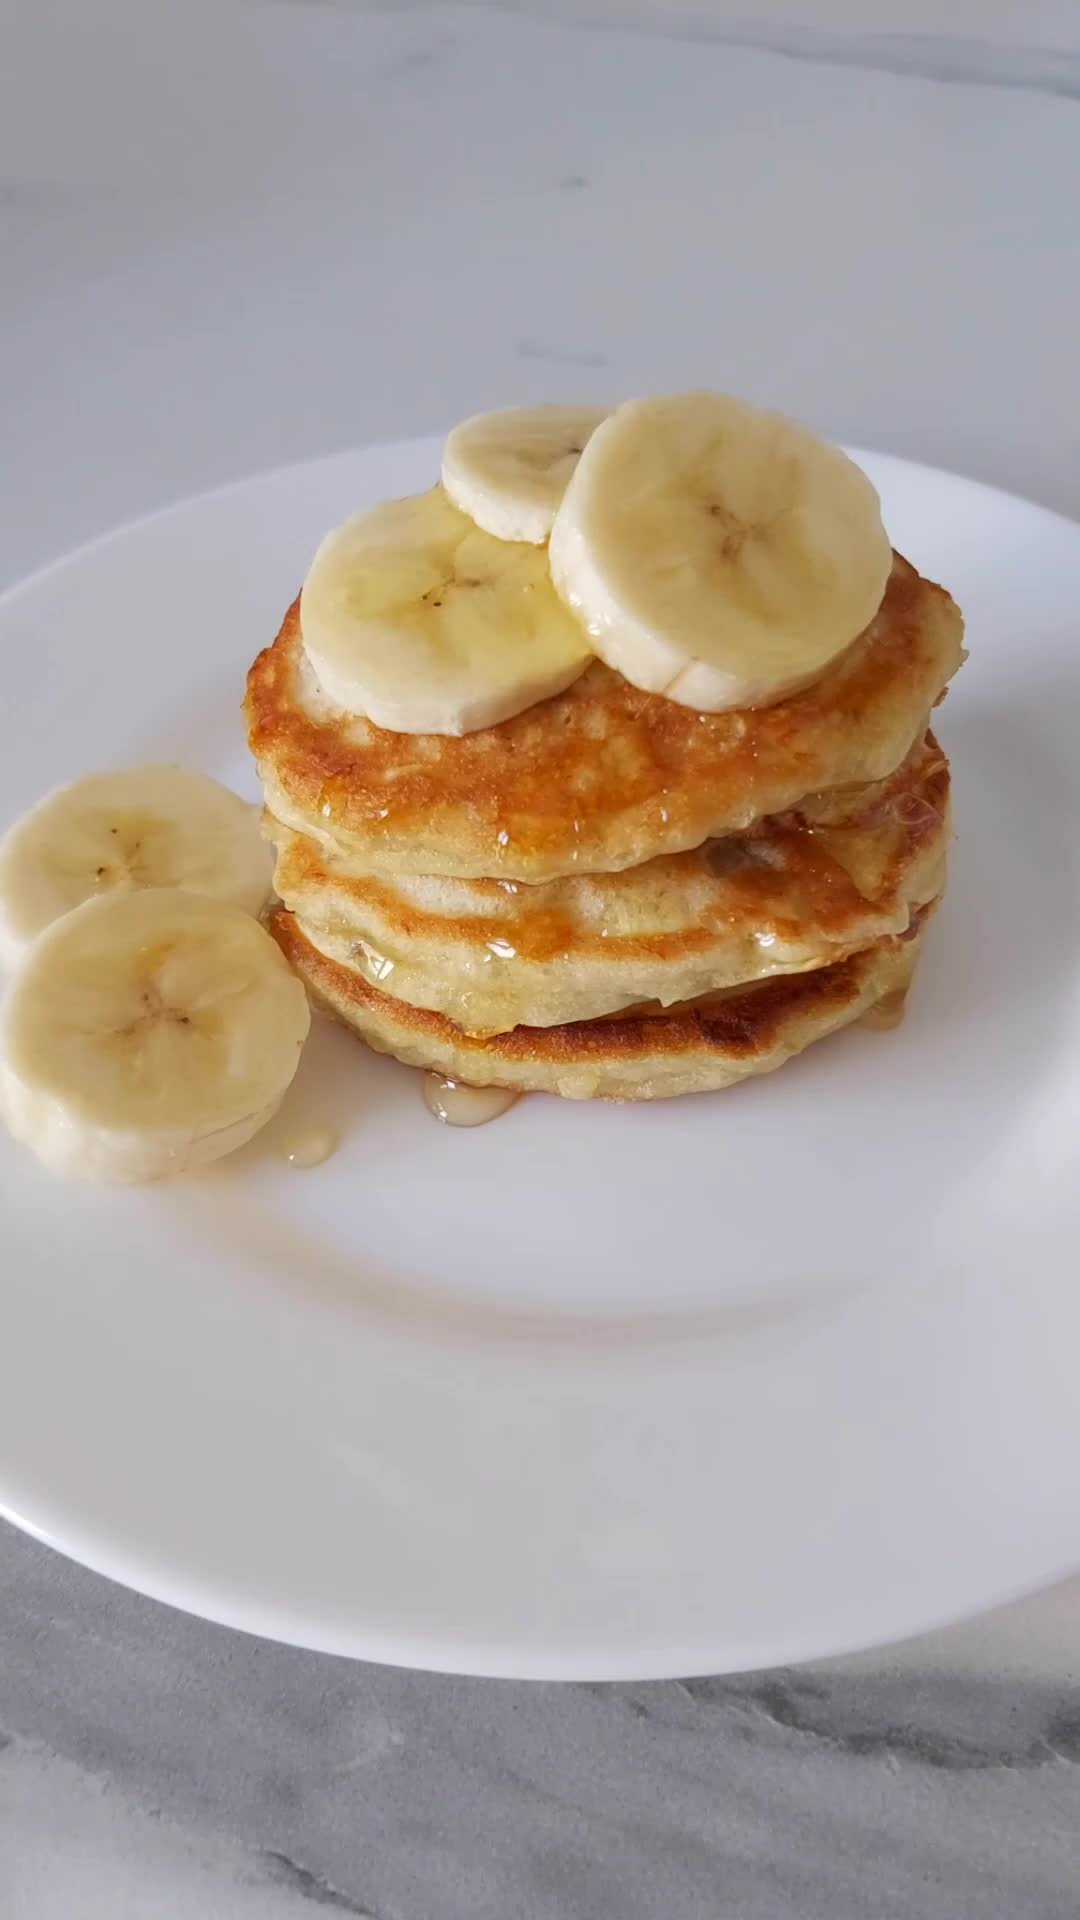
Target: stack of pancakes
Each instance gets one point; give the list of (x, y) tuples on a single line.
[(610, 895)]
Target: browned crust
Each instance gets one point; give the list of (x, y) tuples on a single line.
[(602, 776), (802, 885), (743, 1025)]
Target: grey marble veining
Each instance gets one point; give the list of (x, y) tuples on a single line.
[(395, 1796), (885, 39), (925, 56), (812, 211)]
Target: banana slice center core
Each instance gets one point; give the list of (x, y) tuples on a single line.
[(135, 853)]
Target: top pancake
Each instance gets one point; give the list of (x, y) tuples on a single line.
[(602, 777)]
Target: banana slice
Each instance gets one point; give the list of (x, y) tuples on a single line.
[(414, 617), (147, 1033), (717, 554), (146, 827), (509, 470)]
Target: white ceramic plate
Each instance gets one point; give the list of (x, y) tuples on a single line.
[(595, 1391)]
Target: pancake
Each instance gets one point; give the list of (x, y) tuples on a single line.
[(495, 954), (643, 1054), (602, 777)]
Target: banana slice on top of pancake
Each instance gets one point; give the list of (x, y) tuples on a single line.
[(717, 554), (416, 618), (509, 470)]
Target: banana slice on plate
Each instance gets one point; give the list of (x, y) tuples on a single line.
[(413, 616), (509, 470), (715, 553), (145, 827), (146, 1034)]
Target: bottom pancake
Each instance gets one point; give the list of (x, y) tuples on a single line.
[(647, 1053)]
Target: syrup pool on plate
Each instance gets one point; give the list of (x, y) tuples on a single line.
[(458, 1105), (308, 1146)]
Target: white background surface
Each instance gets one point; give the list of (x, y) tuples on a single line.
[(238, 235)]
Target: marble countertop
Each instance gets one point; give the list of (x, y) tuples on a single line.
[(237, 234)]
